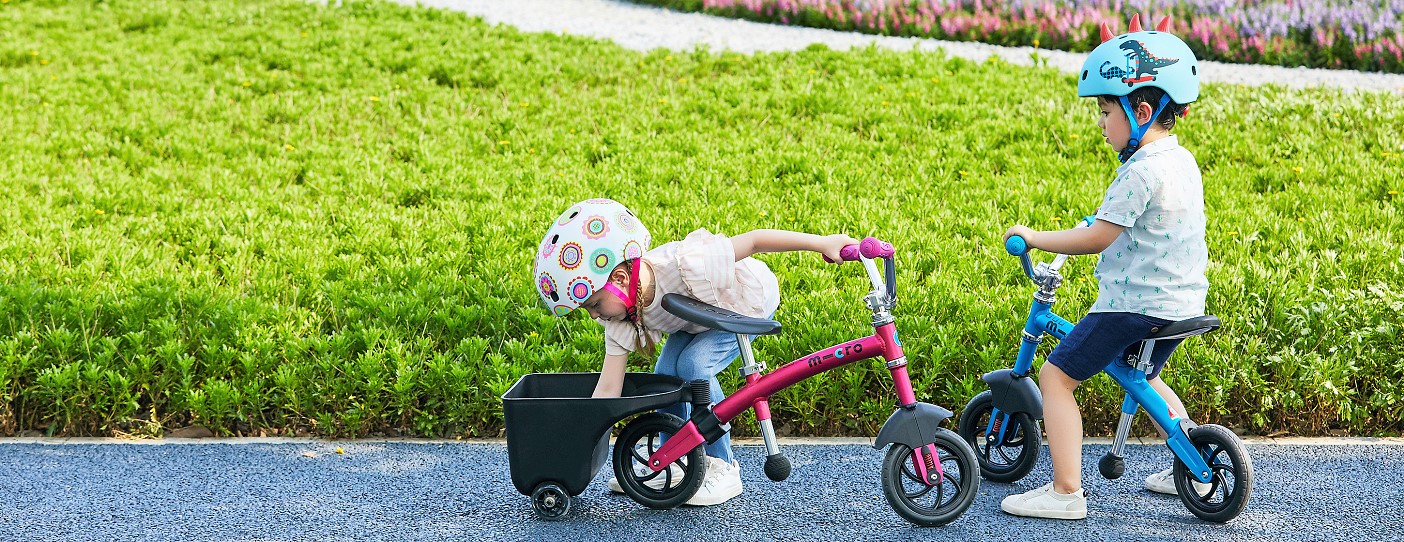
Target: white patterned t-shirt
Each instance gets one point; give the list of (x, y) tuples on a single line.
[(1156, 265)]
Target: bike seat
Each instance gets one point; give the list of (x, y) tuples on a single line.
[(1185, 328), (715, 317)]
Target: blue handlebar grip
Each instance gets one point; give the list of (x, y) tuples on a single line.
[(1015, 245)]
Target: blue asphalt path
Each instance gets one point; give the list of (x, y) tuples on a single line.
[(251, 491)]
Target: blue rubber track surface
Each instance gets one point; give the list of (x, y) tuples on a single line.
[(463, 491)]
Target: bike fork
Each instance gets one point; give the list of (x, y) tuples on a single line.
[(927, 462), (995, 430)]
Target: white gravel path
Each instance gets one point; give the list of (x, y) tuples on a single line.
[(644, 27)]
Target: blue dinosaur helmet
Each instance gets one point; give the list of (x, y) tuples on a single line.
[(1149, 58)]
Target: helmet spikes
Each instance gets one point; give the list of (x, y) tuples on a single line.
[(1108, 32)]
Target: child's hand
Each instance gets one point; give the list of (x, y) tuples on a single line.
[(1021, 231), (832, 244)]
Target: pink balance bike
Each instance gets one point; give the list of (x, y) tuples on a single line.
[(930, 475)]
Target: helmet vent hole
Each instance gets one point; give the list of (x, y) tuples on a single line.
[(1194, 70), (575, 214), (555, 238), (1084, 75), (554, 296)]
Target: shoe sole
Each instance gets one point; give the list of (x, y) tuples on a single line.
[(1046, 514), (1171, 490), (694, 501), (656, 483)]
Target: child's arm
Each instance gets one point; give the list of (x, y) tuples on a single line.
[(1072, 242), (756, 241), (611, 382)]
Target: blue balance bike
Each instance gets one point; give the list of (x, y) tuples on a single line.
[(1001, 424)]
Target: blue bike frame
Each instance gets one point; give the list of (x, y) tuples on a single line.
[(1139, 393)]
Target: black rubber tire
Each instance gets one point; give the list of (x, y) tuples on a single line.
[(645, 431), (1231, 470), (550, 501), (960, 482), (996, 462)]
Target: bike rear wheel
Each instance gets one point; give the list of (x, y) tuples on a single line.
[(659, 490), (1004, 460), (1231, 471), (952, 488)]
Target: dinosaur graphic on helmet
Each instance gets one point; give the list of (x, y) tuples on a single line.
[(1141, 65)]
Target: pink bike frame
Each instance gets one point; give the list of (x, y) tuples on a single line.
[(759, 388)]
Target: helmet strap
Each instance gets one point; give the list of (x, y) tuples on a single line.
[(629, 299), (1138, 131)]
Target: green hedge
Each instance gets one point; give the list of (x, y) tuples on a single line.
[(278, 216)]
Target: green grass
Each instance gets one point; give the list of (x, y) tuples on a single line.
[(283, 216)]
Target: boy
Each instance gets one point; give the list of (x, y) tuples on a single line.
[(1149, 232)]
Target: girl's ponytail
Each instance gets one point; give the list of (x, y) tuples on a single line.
[(642, 341)]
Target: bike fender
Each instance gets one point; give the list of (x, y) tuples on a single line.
[(913, 426), (1012, 393)]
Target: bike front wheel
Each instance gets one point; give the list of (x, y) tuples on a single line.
[(944, 493), (1004, 460), (1230, 470)]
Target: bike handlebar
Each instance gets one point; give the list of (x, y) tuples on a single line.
[(869, 247), (1017, 246), (867, 250)]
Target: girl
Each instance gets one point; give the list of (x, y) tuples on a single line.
[(595, 256)]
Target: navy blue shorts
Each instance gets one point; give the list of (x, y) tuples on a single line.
[(1101, 337)]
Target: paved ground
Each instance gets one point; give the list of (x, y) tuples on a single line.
[(645, 27), (270, 490)]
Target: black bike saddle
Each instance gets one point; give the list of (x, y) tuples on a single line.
[(715, 317), (1185, 328)]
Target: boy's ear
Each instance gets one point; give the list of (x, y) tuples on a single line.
[(1143, 112)]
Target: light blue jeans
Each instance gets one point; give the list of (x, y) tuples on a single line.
[(700, 356)]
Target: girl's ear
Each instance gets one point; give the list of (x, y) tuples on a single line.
[(620, 276)]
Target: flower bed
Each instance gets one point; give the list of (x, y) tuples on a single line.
[(1360, 35)]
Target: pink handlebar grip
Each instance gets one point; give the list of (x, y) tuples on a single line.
[(848, 253), (869, 247), (872, 247)]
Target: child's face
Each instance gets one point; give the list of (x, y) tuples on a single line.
[(605, 306), (1112, 120)]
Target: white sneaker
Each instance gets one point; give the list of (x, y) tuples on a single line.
[(640, 471), (1164, 482), (722, 483), (1044, 502)]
